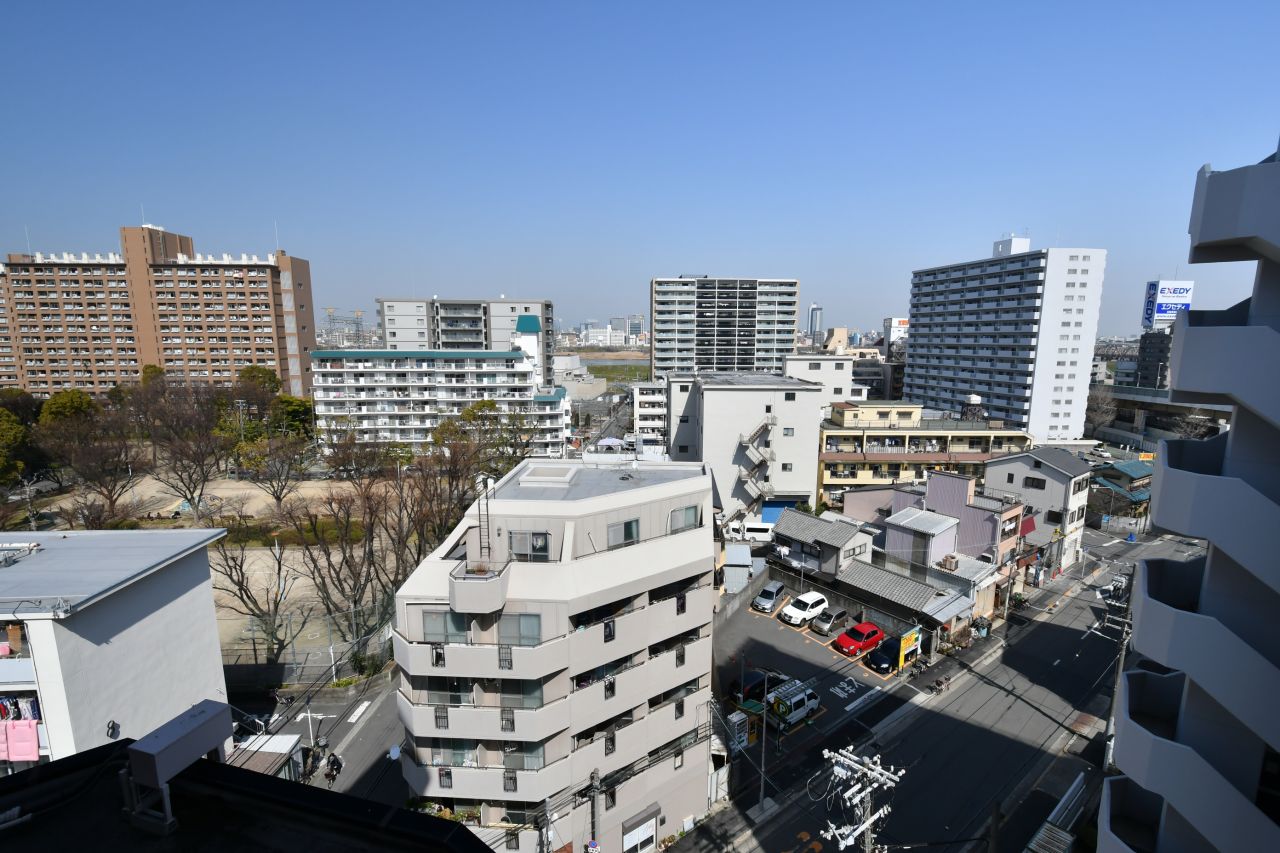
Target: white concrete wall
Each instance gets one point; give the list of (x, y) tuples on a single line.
[(1064, 351), (139, 657), (834, 373)]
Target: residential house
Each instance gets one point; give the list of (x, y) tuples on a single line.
[(824, 545), (1053, 484), (1122, 488)]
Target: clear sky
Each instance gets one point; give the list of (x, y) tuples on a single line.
[(575, 150)]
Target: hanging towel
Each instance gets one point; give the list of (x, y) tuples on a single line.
[(24, 740), (4, 743)]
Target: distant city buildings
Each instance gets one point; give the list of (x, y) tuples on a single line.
[(815, 325), (467, 324), (1017, 328), (721, 324), (895, 329), (556, 649), (93, 321)]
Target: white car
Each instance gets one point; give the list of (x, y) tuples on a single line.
[(803, 608)]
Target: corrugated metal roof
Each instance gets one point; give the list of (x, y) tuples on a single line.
[(922, 520), (1131, 468), (890, 586), (806, 528)]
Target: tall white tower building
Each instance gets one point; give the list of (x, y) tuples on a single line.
[(1016, 328), (722, 324)]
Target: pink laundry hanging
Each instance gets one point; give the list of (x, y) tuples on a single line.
[(4, 743), (24, 740)]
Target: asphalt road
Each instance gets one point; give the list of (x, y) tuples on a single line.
[(983, 742)]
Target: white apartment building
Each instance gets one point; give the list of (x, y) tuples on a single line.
[(1017, 328), (1197, 735), (1053, 485), (649, 414), (386, 396), (722, 324), (467, 324), (833, 372), (555, 657), (109, 634), (758, 433)]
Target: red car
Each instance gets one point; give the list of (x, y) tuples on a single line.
[(860, 638)]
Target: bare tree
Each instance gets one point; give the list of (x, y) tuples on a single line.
[(102, 452), (278, 465), (1101, 408), (1196, 423), (190, 446), (361, 463), (257, 583)]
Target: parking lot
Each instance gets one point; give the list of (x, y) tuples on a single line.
[(750, 639)]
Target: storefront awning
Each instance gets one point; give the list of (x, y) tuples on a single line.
[(1028, 525)]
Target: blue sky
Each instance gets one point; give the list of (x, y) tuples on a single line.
[(575, 150)]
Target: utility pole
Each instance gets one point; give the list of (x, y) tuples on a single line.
[(1126, 631), (863, 776)]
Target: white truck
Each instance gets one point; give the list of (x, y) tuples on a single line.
[(790, 704)]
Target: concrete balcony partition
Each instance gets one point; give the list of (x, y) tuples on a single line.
[(1233, 216), (493, 784), (478, 587), (1168, 628), (1204, 365), (591, 646), (1128, 818), (1145, 749), (1189, 494)]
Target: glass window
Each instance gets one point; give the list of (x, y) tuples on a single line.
[(453, 752), (788, 431), (447, 690), (624, 533), (444, 626), (684, 518), (786, 466), (531, 546), (520, 629), (521, 693), (789, 395)]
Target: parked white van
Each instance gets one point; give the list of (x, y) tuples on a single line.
[(751, 531), (790, 704)]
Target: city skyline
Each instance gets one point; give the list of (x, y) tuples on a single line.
[(412, 170)]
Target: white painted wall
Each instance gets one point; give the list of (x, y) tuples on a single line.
[(834, 373), (139, 657), (1064, 354)]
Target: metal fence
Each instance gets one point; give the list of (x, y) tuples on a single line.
[(319, 648)]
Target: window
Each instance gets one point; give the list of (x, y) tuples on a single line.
[(815, 365), (789, 396), (787, 431), (1053, 516), (684, 419), (685, 518), (838, 391), (768, 409), (1033, 482), (786, 466), (530, 547), (884, 416), (449, 690), (520, 629), (684, 388), (444, 626), (624, 533), (679, 759), (684, 448), (610, 798), (839, 365)]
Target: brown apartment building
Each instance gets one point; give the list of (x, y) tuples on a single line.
[(92, 321)]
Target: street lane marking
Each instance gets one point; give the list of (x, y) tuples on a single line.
[(360, 709), (1058, 661)]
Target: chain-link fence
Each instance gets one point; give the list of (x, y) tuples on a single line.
[(308, 647)]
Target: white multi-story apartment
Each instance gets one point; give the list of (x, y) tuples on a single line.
[(400, 397), (757, 432), (833, 372), (1017, 328), (1197, 734), (555, 657), (1053, 486), (724, 324), (467, 324), (109, 634), (649, 414)]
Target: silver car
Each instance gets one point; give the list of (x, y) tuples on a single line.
[(830, 621)]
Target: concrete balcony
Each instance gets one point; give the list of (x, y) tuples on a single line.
[(1128, 818), (589, 648), (607, 698), (476, 722), (1233, 215), (1147, 752), (666, 619), (1190, 495), (478, 587), (482, 661), (492, 784), (1204, 364), (1169, 628)]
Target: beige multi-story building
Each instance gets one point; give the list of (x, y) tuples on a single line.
[(555, 657), (93, 321), (881, 442)]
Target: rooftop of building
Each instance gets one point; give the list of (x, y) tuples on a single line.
[(744, 379), (922, 521), (1055, 457), (446, 354), (571, 480), (55, 574), (723, 278), (77, 803), (1131, 468), (807, 528), (901, 590), (970, 568)]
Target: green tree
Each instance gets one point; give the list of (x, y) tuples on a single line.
[(25, 407), (65, 405), (152, 373), (13, 438), (293, 415), (263, 377)]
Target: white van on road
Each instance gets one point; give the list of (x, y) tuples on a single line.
[(751, 531)]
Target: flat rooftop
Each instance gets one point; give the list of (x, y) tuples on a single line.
[(62, 572), (749, 380), (558, 480)]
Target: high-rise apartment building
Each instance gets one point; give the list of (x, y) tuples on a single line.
[(815, 324), (555, 657), (466, 324), (723, 324), (93, 321), (1016, 328), (1197, 735), (635, 324)]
